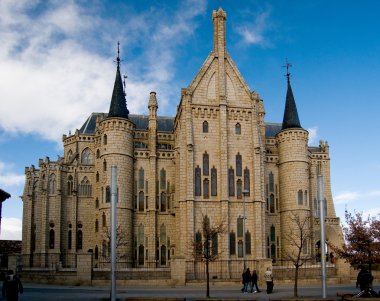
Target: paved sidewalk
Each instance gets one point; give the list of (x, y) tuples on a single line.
[(42, 292)]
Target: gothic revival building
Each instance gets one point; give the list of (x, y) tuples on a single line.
[(217, 157)]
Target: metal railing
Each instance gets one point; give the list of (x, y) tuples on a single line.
[(47, 260)]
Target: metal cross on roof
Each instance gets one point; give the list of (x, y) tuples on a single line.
[(287, 66)]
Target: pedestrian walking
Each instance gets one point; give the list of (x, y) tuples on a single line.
[(248, 281), (11, 287), (254, 278), (269, 280), (243, 279), (364, 279)]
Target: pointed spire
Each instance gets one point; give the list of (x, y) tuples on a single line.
[(291, 119), (118, 107)]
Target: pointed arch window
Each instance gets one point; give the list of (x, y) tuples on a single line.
[(69, 239), (70, 185), (238, 129), (239, 189), (96, 225), (231, 182), (205, 164), (205, 127), (197, 181), (104, 139), (232, 243), (141, 178), (163, 201), (85, 187), (108, 194), (246, 181), (206, 188), (272, 233), (271, 203), (163, 179), (97, 154), (271, 182), (300, 196), (240, 248), (52, 184), (86, 157), (141, 201), (104, 165), (214, 182), (238, 165)]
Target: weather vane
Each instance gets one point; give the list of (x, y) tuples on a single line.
[(287, 66), (118, 60)]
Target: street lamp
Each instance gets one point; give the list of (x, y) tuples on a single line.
[(245, 193)]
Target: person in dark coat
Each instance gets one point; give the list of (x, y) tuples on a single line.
[(248, 281), (254, 278), (11, 287), (364, 279)]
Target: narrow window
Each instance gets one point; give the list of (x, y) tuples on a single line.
[(206, 186), (246, 181), (96, 225), (97, 154), (141, 178), (232, 243), (163, 201), (240, 249), (238, 165), (79, 240), (247, 242), (214, 244), (104, 221), (205, 164), (231, 182), (273, 251), (272, 233), (271, 182), (238, 189), (52, 184), (205, 127), (197, 181), (163, 255), (96, 252), (240, 227), (141, 255), (97, 176), (104, 165), (69, 240), (108, 194), (238, 129), (51, 239), (214, 187), (271, 203), (300, 198), (163, 179), (141, 201), (104, 139), (70, 183), (306, 199)]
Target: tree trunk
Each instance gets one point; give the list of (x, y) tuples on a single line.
[(207, 280), (296, 282)]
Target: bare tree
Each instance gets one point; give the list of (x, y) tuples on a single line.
[(298, 236), (205, 250), (121, 242)]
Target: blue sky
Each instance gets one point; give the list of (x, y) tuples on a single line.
[(56, 68)]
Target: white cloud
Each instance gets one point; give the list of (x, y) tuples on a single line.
[(313, 135), (351, 196), (11, 228), (9, 178), (56, 72), (253, 32)]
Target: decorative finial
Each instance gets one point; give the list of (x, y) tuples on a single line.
[(287, 66), (118, 54)]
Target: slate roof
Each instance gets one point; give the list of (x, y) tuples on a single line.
[(118, 106), (4, 195), (291, 119)]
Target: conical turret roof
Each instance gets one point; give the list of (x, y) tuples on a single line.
[(291, 119)]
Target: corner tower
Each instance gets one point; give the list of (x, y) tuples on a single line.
[(293, 168), (114, 144)]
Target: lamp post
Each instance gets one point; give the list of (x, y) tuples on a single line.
[(245, 193)]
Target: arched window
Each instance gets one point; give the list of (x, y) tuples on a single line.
[(197, 181), (163, 179), (96, 225), (300, 195), (238, 165), (246, 181), (51, 239), (238, 129), (273, 251), (163, 201), (141, 178), (104, 220), (52, 184), (79, 240), (214, 183), (86, 156), (238, 189), (206, 188), (232, 243), (97, 154), (205, 164), (104, 165), (240, 248), (70, 183), (272, 233), (231, 182), (271, 203), (247, 242), (205, 127), (108, 194), (163, 255), (97, 176), (69, 239), (104, 139), (271, 182), (85, 187), (141, 201), (141, 255)]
